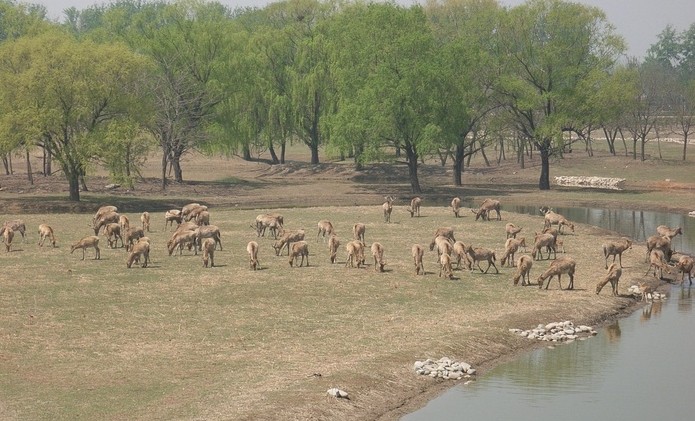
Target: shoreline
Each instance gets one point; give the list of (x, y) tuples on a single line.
[(417, 401), (598, 320)]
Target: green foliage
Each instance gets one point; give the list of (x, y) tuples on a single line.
[(553, 49), (20, 19), (65, 92), (675, 50), (360, 79), (125, 147), (382, 58)]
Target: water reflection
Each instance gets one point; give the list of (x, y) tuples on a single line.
[(651, 309), (613, 332), (685, 302), (638, 225)]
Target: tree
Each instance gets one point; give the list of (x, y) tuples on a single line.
[(19, 19), (675, 53), (186, 40), (644, 108), (256, 111), (384, 66), (66, 92), (607, 102), (466, 55), (549, 47)]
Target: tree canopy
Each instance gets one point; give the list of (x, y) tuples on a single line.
[(373, 81)]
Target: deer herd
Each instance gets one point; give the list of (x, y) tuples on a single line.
[(194, 232)]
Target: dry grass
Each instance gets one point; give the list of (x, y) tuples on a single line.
[(94, 340)]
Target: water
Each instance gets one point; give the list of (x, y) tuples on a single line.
[(638, 368)]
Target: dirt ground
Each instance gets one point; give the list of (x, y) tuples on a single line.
[(222, 181)]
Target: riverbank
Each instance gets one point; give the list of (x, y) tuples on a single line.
[(597, 316)]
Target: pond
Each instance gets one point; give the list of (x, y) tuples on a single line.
[(640, 367)]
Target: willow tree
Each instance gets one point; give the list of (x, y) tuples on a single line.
[(549, 48), (186, 41), (311, 84), (388, 99), (66, 93), (465, 32), (17, 20), (255, 113)]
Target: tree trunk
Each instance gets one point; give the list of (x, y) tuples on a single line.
[(634, 149), (544, 181), (610, 138), (314, 153), (273, 155), (412, 157), (685, 144), (642, 149), (458, 164), (165, 162), (314, 142), (83, 184), (283, 150), (501, 156), (482, 151), (29, 174), (176, 164), (128, 164), (74, 185), (47, 161), (246, 152), (358, 150)]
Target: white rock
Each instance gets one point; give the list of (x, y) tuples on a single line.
[(337, 393)]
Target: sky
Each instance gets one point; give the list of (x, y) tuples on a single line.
[(638, 21)]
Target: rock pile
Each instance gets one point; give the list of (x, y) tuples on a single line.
[(556, 332), (444, 368), (593, 182)]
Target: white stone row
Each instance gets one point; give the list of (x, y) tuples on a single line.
[(556, 332), (593, 182), (444, 368)]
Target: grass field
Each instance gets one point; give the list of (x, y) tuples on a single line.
[(93, 340)]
